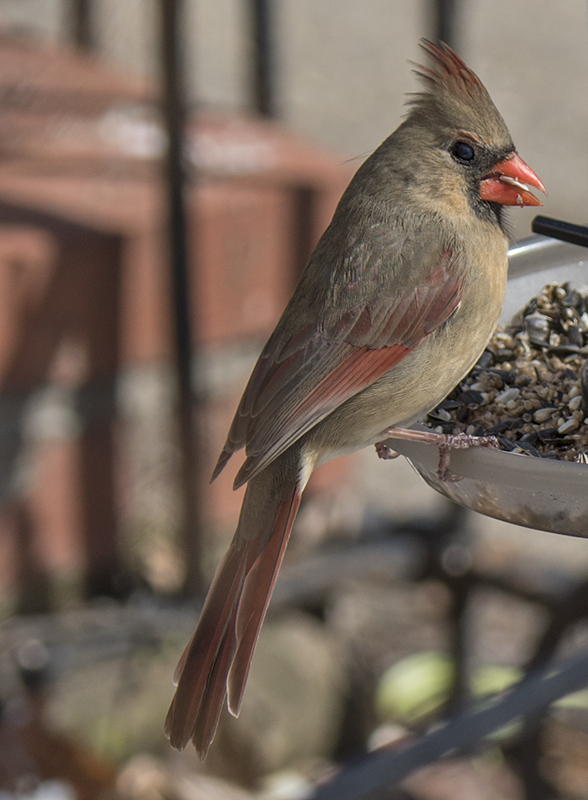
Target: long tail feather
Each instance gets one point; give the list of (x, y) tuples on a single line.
[(255, 598), (219, 654)]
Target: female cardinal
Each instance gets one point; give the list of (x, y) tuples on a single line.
[(397, 303)]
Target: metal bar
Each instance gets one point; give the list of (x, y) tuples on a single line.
[(189, 412), (81, 24), (373, 778), (262, 90), (564, 231), (444, 14)]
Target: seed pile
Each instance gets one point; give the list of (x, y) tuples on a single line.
[(530, 387)]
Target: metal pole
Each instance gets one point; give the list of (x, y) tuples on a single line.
[(81, 24), (262, 90), (445, 14), (189, 413)]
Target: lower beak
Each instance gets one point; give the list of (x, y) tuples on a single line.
[(509, 182)]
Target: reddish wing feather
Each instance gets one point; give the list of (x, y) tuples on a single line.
[(360, 369), (288, 394)]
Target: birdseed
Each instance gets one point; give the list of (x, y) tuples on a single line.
[(529, 389)]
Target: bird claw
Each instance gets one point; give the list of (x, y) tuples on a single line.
[(458, 441), (385, 452)]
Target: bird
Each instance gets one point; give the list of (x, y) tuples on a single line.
[(396, 304)]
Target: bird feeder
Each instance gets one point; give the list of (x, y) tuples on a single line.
[(538, 493)]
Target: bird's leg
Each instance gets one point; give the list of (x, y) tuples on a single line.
[(445, 442)]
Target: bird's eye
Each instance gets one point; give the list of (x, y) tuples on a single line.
[(463, 151)]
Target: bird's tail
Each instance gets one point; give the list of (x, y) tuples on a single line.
[(217, 659)]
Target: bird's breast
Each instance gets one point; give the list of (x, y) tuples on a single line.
[(424, 377)]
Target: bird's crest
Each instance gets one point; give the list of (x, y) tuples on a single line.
[(449, 71), (455, 95)]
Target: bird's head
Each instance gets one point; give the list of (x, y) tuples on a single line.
[(467, 136)]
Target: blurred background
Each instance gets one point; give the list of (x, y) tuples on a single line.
[(166, 168)]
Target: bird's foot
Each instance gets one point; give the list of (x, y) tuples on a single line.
[(445, 442), (458, 441)]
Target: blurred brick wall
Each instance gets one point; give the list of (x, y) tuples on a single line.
[(85, 300)]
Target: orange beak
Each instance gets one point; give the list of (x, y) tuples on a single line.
[(509, 183)]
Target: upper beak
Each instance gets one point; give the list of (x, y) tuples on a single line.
[(509, 182)]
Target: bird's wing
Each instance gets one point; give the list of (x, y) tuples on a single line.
[(301, 379)]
